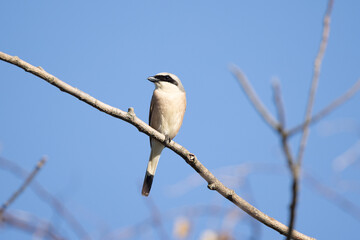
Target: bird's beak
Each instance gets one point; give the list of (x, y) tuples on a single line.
[(153, 79)]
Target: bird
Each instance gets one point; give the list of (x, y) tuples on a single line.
[(167, 109)]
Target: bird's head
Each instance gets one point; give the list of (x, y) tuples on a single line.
[(166, 81)]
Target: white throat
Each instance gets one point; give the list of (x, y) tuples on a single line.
[(166, 87)]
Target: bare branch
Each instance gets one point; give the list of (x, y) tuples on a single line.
[(328, 109), (31, 226), (294, 170), (347, 158), (314, 84), (315, 80), (22, 187), (279, 102), (284, 137), (254, 99), (47, 197), (213, 182), (294, 200), (343, 203), (293, 167)]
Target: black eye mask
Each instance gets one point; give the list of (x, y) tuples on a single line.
[(166, 78)]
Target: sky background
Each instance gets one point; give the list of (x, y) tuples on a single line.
[(96, 163)]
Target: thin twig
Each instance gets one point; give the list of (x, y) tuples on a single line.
[(23, 186), (31, 226), (315, 81), (288, 155), (305, 135), (191, 159), (347, 158), (336, 198), (254, 99), (283, 135), (279, 102), (328, 109), (281, 130), (48, 198), (292, 166)]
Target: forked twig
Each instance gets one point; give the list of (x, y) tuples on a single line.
[(311, 99), (22, 187), (32, 226), (279, 103), (254, 99), (315, 81), (329, 108), (48, 198)]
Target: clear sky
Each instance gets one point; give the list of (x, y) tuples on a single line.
[(108, 49)]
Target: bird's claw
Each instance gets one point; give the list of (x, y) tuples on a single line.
[(167, 139)]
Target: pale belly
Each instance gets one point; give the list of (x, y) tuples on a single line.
[(168, 112)]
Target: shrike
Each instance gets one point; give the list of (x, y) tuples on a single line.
[(166, 115)]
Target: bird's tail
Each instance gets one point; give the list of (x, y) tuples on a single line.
[(151, 168)]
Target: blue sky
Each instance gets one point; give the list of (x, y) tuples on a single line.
[(97, 163)]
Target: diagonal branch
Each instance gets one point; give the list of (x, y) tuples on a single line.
[(213, 182), (254, 99), (30, 225), (328, 109), (47, 197), (315, 81), (334, 197), (22, 187), (279, 102)]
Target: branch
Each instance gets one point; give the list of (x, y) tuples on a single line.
[(305, 135), (213, 182), (254, 99), (336, 198), (43, 194), (279, 103), (281, 129), (32, 226), (328, 109), (22, 187), (315, 80), (293, 167)]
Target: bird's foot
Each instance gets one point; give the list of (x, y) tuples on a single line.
[(167, 139)]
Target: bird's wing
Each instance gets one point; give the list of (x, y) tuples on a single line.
[(150, 113)]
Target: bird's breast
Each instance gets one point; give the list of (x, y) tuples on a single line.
[(168, 111)]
